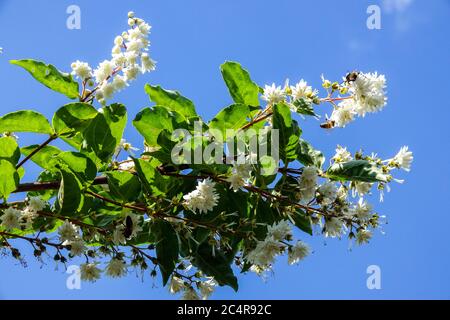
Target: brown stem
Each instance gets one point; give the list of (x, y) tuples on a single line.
[(40, 147), (98, 196)]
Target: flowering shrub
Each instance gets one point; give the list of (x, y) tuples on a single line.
[(193, 221)]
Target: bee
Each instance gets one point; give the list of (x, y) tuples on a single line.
[(128, 227), (329, 124), (351, 76)]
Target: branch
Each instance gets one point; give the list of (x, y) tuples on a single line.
[(40, 147)]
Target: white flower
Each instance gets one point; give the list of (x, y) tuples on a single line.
[(280, 231), (369, 93), (89, 272), (342, 155), (118, 236), (265, 252), (363, 236), (116, 268), (131, 72), (361, 188), (68, 231), (126, 146), (302, 90), (190, 294), (119, 83), (273, 94), (333, 227), (77, 247), (404, 158), (11, 219), (239, 176), (36, 204), (328, 192), (344, 113), (81, 69), (147, 63), (176, 285), (298, 252), (203, 198), (363, 210), (27, 217), (207, 288), (107, 89), (103, 71), (136, 228), (307, 184)]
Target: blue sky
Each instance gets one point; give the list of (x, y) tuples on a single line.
[(274, 40)]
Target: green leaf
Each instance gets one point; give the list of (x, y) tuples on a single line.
[(308, 156), (124, 185), (116, 117), (150, 178), (232, 117), (9, 150), (25, 121), (151, 121), (73, 117), (242, 89), (70, 196), (304, 107), (288, 131), (99, 139), (302, 221), (215, 265), (9, 178), (356, 170), (167, 247), (51, 77), (80, 164), (43, 157), (172, 100)]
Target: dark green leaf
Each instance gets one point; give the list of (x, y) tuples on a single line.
[(25, 121), (242, 89), (308, 156), (166, 247), (70, 196), (172, 100), (356, 170), (73, 117), (78, 163), (51, 77), (99, 139), (288, 131), (302, 221), (215, 265), (124, 185)]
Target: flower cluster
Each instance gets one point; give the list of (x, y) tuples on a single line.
[(22, 219), (129, 58), (203, 198), (367, 96), (205, 287)]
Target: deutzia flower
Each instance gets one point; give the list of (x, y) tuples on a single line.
[(368, 91), (273, 94), (10, 219), (328, 193), (118, 236), (176, 285), (403, 159), (190, 294), (239, 176), (363, 236), (302, 90), (103, 71), (333, 227), (81, 69), (363, 210), (207, 288), (344, 113), (342, 155), (27, 217), (89, 272), (361, 188), (36, 204), (68, 231), (203, 198), (126, 146), (77, 247), (307, 184), (147, 63), (116, 268), (298, 252), (280, 231), (265, 252)]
